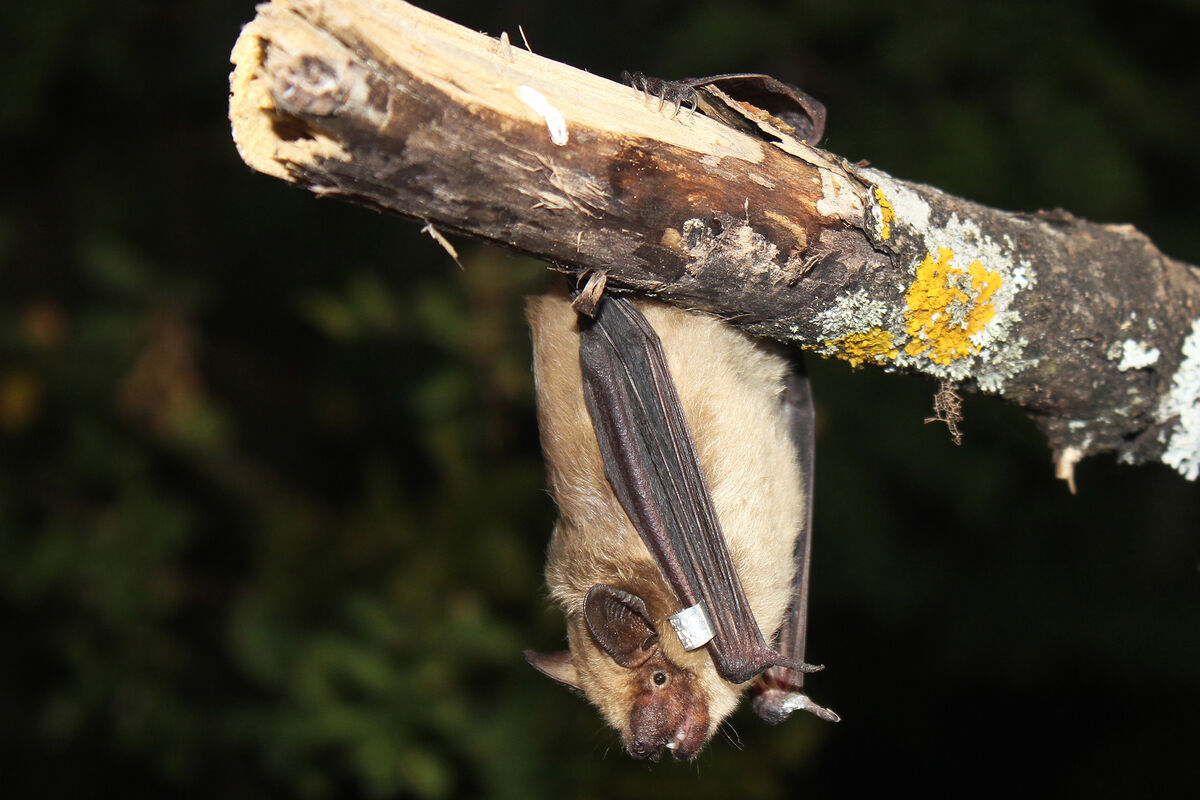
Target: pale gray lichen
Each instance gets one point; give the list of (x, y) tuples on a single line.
[(1133, 355), (1182, 403), (851, 313)]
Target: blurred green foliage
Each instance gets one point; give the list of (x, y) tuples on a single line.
[(271, 516)]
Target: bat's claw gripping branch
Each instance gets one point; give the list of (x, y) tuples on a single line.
[(588, 297), (678, 94)]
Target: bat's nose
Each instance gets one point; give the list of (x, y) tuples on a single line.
[(639, 748)]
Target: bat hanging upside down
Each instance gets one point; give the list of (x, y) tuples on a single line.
[(679, 451)]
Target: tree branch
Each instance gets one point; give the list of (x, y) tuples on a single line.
[(1089, 327)]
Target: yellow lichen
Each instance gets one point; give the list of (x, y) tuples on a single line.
[(874, 345), (946, 306), (886, 214)]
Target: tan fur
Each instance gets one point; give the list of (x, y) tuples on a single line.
[(731, 391)]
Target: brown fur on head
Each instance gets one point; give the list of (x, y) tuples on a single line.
[(731, 390)]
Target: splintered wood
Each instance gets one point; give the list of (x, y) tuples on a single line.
[(1089, 327), (393, 107)]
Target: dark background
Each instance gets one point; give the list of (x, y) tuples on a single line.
[(271, 507)]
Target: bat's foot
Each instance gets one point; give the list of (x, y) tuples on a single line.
[(676, 94), (773, 706)]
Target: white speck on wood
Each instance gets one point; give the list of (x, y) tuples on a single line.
[(554, 118), (1133, 355)]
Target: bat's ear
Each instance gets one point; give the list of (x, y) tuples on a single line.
[(557, 665), (621, 624)]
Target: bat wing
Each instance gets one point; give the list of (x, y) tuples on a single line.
[(650, 460), (780, 690)]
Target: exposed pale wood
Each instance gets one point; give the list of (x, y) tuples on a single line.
[(1088, 326)]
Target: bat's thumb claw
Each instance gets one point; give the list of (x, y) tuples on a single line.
[(798, 666)]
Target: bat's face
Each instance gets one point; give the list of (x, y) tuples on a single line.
[(668, 711), (618, 660)]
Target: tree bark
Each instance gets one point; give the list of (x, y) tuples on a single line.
[(1089, 327)]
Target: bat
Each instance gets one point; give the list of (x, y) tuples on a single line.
[(679, 452)]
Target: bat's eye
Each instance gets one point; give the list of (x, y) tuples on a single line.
[(660, 678)]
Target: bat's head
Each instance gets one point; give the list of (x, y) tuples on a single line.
[(618, 660)]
